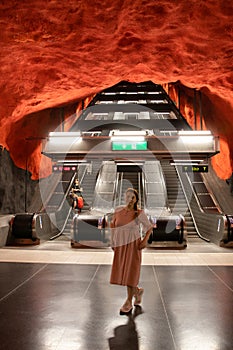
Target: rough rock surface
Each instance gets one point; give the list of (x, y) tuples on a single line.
[(54, 53), (16, 187)]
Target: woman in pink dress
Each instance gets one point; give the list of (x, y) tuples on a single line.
[(127, 244)]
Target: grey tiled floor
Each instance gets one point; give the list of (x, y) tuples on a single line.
[(59, 307), (60, 298)]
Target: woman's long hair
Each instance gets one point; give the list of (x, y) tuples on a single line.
[(136, 208)]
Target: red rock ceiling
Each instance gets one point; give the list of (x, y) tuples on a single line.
[(56, 52)]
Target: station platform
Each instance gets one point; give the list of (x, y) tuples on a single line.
[(54, 297)]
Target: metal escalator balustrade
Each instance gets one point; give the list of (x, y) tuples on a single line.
[(154, 186), (168, 228), (210, 226), (59, 205), (60, 217), (88, 226), (60, 192), (105, 187), (176, 198), (88, 182), (109, 193)]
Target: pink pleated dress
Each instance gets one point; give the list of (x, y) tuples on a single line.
[(125, 240)]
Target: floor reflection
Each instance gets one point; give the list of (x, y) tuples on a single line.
[(126, 336)]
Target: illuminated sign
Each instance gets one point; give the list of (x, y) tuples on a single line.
[(59, 168), (195, 168), (129, 146)]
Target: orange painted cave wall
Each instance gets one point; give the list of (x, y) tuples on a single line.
[(55, 53)]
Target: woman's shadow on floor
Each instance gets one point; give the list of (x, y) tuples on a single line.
[(126, 336)]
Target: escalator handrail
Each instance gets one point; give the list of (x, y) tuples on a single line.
[(45, 200), (163, 185), (121, 185), (96, 185), (63, 227), (115, 190), (139, 190), (83, 175), (144, 191), (67, 191)]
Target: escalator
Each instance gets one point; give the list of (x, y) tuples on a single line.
[(88, 183), (129, 176), (60, 192), (112, 183), (176, 199), (54, 218), (52, 211), (89, 225), (211, 223), (103, 189), (168, 230)]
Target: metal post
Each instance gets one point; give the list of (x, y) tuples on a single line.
[(26, 187), (178, 98), (195, 109), (200, 106)]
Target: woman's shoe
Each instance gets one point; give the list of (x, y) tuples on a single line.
[(138, 297), (126, 308)]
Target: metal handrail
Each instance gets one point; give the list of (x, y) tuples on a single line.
[(121, 185), (67, 191), (63, 227), (115, 190), (139, 190), (163, 185), (84, 173), (144, 191), (96, 186), (62, 203)]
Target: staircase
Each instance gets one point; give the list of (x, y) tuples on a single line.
[(176, 199)]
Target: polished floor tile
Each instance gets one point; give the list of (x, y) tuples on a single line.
[(73, 306), (104, 257)]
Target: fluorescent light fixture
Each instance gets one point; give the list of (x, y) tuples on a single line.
[(195, 136), (194, 133), (189, 161), (128, 133), (183, 163), (65, 137), (168, 131), (122, 135), (69, 162), (196, 139), (65, 134), (127, 138)]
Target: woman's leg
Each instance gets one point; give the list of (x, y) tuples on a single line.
[(127, 306), (74, 203), (131, 292)]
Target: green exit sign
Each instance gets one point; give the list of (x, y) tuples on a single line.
[(195, 168), (129, 146)]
